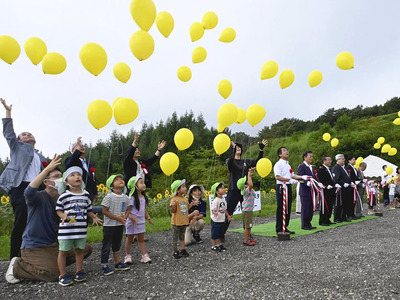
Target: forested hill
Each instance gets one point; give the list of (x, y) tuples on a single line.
[(357, 130)]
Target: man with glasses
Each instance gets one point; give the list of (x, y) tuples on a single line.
[(344, 204), (39, 250)]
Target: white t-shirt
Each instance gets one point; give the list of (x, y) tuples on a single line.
[(219, 205)]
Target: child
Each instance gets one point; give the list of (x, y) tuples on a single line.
[(180, 218), (135, 224), (246, 189), (397, 193), (196, 214), (392, 187), (218, 216), (73, 206), (115, 209)]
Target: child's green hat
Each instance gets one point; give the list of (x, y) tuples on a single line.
[(241, 183), (176, 185), (110, 180), (132, 184), (215, 187)]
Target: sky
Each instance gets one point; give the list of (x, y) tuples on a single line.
[(299, 35)]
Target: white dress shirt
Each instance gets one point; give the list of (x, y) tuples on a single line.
[(282, 168)]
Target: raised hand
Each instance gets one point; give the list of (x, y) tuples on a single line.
[(56, 161), (161, 145), (7, 107)]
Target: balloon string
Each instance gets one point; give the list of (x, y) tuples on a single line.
[(211, 169), (120, 146), (109, 158)]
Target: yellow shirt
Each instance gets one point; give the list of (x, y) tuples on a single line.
[(181, 216)]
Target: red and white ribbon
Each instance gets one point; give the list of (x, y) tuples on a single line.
[(285, 192)]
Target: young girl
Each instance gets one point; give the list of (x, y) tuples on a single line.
[(135, 223)]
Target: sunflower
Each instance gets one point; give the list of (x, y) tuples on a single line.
[(4, 200), (166, 192), (273, 191), (101, 186), (264, 192), (154, 199), (159, 196), (105, 190)]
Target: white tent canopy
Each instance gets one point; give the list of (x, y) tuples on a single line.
[(374, 166)]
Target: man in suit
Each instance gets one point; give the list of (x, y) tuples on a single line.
[(325, 176), (26, 163), (307, 211), (344, 206), (78, 159), (355, 181), (360, 188)]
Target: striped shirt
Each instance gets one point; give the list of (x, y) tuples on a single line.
[(248, 199), (78, 206)]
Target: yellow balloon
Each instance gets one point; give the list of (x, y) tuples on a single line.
[(126, 111), (199, 55), (165, 23), (385, 148), (392, 151), (99, 113), (389, 170), (220, 128), (225, 88), (221, 143), (377, 145), (93, 58), (141, 44), (345, 61), (396, 121), (116, 100), (359, 160), (255, 113), (53, 63), (269, 70), (35, 49), (381, 140), (315, 78), (210, 20), (286, 78), (264, 167), (183, 138), (196, 31), (143, 13), (122, 72), (326, 137), (334, 142), (169, 163), (227, 35), (184, 73), (9, 49), (241, 116), (227, 114)]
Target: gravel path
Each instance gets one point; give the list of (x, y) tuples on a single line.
[(359, 261)]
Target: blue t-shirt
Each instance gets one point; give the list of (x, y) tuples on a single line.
[(202, 208), (42, 223)]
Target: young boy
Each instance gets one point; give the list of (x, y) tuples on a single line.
[(115, 211), (180, 218), (218, 216), (73, 207), (246, 189)]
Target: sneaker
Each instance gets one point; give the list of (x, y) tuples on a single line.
[(222, 248), (10, 272), (197, 238), (128, 260), (107, 271), (121, 267), (253, 239), (392, 207), (80, 276), (65, 280), (183, 253), (145, 259), (215, 248), (249, 242), (176, 254)]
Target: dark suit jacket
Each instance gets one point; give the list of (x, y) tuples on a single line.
[(87, 177), (353, 175), (326, 179), (305, 191), (130, 166), (341, 177)]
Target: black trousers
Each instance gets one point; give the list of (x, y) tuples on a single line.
[(324, 218), (232, 199), (279, 206), (17, 200), (112, 237), (346, 208)]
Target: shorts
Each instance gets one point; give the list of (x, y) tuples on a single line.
[(216, 230), (247, 219), (66, 245)]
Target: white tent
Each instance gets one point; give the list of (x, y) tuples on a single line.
[(374, 166)]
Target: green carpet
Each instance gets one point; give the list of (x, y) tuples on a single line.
[(268, 229)]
